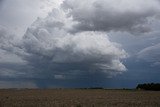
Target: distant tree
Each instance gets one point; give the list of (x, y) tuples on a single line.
[(149, 86)]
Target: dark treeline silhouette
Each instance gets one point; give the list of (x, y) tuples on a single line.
[(149, 86)]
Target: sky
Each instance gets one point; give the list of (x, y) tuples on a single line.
[(79, 43)]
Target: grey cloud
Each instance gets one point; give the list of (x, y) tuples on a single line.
[(9, 42), (11, 63), (151, 54), (6, 39), (106, 15)]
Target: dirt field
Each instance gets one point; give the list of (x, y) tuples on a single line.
[(79, 98)]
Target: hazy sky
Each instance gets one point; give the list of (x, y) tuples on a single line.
[(75, 43)]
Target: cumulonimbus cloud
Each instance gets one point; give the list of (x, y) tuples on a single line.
[(52, 49), (73, 40)]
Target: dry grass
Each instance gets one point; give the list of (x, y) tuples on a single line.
[(79, 98)]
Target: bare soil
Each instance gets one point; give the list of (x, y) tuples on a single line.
[(78, 98)]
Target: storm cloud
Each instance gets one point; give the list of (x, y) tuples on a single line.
[(78, 41), (49, 47), (52, 49)]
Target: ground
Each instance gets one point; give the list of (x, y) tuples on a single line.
[(78, 98)]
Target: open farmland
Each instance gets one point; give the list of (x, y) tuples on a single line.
[(78, 98)]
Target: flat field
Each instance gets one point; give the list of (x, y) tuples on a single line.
[(78, 98)]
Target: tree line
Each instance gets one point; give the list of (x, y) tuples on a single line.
[(149, 86)]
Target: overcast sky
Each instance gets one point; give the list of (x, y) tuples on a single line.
[(75, 43)]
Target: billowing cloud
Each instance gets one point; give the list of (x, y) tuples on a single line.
[(48, 49), (54, 51), (151, 54), (111, 15)]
